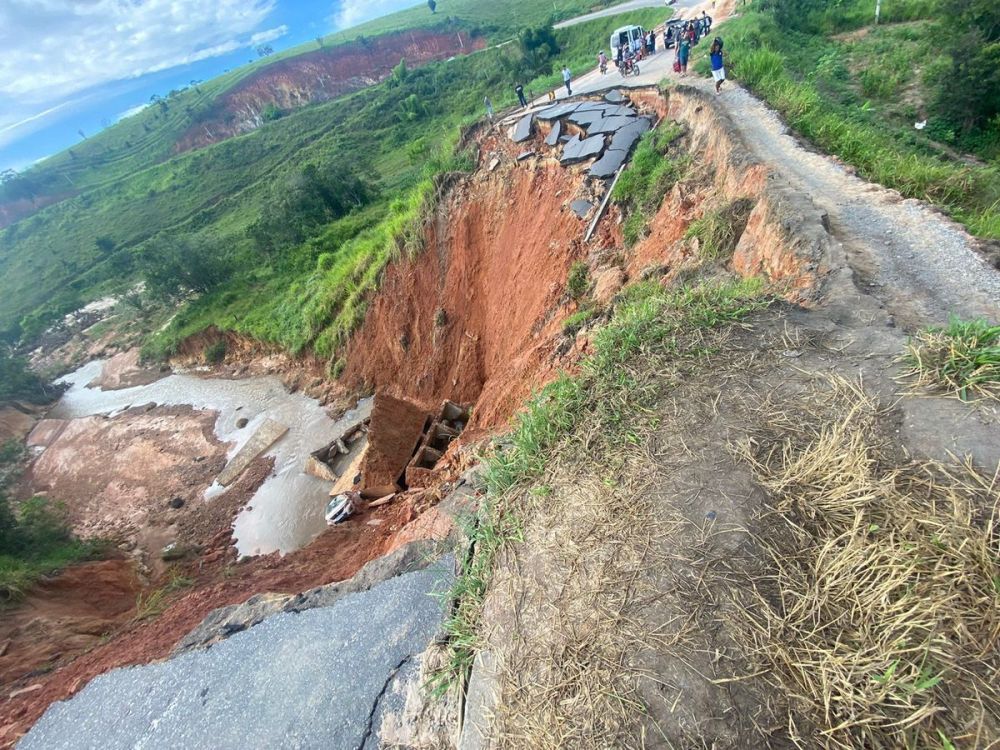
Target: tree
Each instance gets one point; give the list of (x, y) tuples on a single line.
[(968, 91), (319, 42), (304, 202), (432, 5), (265, 50), (105, 245), (18, 383), (172, 267)]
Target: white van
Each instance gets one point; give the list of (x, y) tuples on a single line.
[(626, 36)]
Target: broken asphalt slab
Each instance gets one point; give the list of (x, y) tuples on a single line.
[(266, 435), (609, 125), (523, 129), (312, 679), (615, 97), (559, 110), (608, 164), (578, 150), (553, 137)]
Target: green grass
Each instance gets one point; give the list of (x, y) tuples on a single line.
[(857, 97), (655, 167), (35, 543), (615, 389), (719, 229), (153, 603), (962, 358), (572, 325)]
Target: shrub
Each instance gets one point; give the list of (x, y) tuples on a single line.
[(215, 352), (578, 281)]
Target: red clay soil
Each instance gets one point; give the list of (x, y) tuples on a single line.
[(336, 555), (320, 76), (472, 317), (64, 616)]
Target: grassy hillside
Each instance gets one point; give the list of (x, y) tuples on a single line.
[(857, 89), (249, 224)]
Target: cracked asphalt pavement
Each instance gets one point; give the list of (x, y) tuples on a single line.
[(308, 680)]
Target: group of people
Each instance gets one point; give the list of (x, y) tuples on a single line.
[(682, 36), (689, 34)]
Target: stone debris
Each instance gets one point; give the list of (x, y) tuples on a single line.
[(524, 128), (581, 208), (267, 435), (524, 155)]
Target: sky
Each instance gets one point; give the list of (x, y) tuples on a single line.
[(79, 65)]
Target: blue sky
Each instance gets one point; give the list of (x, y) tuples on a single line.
[(71, 65)]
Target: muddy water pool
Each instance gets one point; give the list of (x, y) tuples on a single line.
[(287, 511)]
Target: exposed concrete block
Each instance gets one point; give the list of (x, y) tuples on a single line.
[(395, 430), (267, 435)]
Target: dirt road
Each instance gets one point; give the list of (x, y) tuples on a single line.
[(920, 264)]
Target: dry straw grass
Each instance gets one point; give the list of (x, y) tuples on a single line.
[(578, 587), (882, 616)]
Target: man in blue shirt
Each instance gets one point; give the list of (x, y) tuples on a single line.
[(718, 70)]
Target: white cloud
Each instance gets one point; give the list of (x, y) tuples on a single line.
[(270, 35), (55, 49), (352, 12), (132, 111)]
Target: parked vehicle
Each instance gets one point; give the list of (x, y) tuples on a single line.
[(671, 33), (626, 37)]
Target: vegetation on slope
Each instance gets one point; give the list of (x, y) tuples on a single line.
[(252, 227), (604, 407), (36, 540), (857, 90)]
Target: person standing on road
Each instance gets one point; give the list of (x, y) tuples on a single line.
[(566, 79), (684, 50), (519, 90), (489, 107), (718, 70), (602, 62)]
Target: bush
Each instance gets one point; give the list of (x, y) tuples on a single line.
[(578, 281), (36, 543), (215, 353)]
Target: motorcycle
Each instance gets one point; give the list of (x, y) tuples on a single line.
[(629, 67)]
